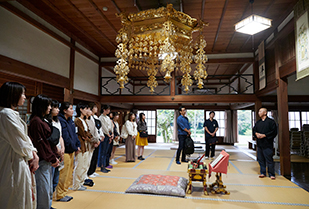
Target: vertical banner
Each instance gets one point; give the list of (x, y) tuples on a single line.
[(302, 46), (262, 70)]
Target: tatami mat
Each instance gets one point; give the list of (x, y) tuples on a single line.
[(247, 190)]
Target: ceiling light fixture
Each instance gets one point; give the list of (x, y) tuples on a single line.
[(253, 24)]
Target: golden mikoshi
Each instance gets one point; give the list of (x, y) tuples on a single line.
[(160, 39)]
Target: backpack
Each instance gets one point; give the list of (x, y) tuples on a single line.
[(189, 146)]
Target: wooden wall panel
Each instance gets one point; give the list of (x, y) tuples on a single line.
[(270, 66), (54, 92), (30, 85)]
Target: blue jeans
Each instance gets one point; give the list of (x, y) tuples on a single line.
[(181, 148), (44, 187), (109, 152), (265, 157), (103, 153)]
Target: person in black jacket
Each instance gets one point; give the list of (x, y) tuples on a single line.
[(264, 131), (72, 146)]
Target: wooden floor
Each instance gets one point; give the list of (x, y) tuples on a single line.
[(247, 190)]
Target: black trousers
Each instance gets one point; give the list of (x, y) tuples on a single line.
[(181, 148), (94, 161), (109, 152), (265, 157), (210, 147)]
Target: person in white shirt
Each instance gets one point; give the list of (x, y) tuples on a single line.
[(116, 138), (130, 132), (107, 127), (53, 118), (19, 159), (94, 160)]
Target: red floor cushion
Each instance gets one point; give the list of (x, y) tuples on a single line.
[(159, 184)]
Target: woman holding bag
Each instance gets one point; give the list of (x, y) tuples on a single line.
[(142, 134)]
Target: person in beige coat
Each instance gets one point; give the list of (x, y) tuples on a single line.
[(82, 158), (129, 133), (18, 160)]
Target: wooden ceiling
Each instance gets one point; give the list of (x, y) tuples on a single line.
[(95, 29)]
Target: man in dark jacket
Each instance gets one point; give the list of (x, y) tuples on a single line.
[(264, 131)]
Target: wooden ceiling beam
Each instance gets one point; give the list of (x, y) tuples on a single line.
[(138, 7), (102, 15), (181, 99), (274, 28), (45, 29), (242, 106), (91, 23), (42, 15), (116, 6), (220, 23), (60, 13), (175, 107), (243, 14)]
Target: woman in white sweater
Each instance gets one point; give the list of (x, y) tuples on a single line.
[(130, 134), (18, 158)]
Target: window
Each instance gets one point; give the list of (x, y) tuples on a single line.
[(305, 117), (150, 120), (220, 117), (294, 120)]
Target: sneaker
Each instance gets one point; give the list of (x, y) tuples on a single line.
[(82, 188), (96, 174), (110, 166), (113, 162), (88, 183), (92, 176), (65, 199), (104, 170), (177, 162)]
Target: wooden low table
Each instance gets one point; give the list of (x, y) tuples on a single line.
[(197, 174)]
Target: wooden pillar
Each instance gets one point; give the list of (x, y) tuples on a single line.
[(257, 107), (283, 119), (38, 88), (68, 93)]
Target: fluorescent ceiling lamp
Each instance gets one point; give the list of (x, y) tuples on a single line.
[(253, 24)]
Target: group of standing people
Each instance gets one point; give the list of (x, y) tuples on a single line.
[(40, 162), (264, 132), (211, 127)]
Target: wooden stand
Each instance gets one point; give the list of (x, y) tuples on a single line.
[(197, 175), (220, 187)]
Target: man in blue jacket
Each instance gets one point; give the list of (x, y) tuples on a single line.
[(72, 145), (183, 131)]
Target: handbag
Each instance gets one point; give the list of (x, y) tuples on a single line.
[(143, 134), (54, 137)]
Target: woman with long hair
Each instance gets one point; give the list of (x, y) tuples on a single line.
[(39, 132), (18, 160), (72, 147), (53, 118), (141, 139), (131, 132), (116, 138), (82, 158)]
